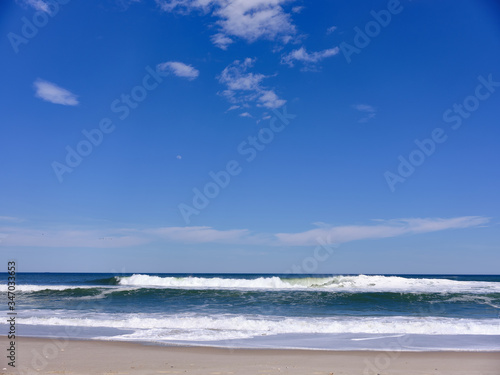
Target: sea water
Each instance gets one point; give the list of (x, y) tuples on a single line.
[(339, 312)]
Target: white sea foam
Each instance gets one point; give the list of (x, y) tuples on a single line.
[(201, 328), (202, 282), (361, 283)]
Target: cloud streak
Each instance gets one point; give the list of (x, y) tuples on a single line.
[(39, 5), (180, 69), (368, 111), (308, 58), (71, 238), (126, 237), (203, 234), (11, 219), (52, 93), (383, 229)]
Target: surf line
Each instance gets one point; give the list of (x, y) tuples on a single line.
[(376, 338)]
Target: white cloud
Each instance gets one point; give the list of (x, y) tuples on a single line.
[(383, 229), (249, 20), (245, 87), (179, 69), (364, 107), (308, 58), (269, 99), (255, 19), (233, 107), (124, 237), (39, 5), (235, 76), (245, 114), (222, 41), (50, 92), (368, 111)]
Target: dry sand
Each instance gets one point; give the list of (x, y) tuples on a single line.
[(52, 356)]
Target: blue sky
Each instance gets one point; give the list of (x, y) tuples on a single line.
[(250, 136)]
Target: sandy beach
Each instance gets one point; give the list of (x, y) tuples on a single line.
[(59, 356)]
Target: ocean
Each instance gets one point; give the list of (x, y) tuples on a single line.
[(334, 312)]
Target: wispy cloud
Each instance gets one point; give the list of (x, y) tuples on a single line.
[(383, 229), (125, 237), (310, 59), (244, 87), (11, 219), (52, 93), (39, 5), (368, 111), (184, 6), (180, 69), (249, 20), (245, 114), (125, 4), (66, 238), (202, 234), (222, 41), (331, 29)]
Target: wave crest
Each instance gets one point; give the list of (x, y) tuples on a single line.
[(360, 283)]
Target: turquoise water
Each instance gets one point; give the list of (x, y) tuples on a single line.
[(434, 312)]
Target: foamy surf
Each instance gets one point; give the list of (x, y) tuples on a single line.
[(186, 327), (360, 283)]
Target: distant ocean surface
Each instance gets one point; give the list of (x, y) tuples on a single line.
[(340, 312)]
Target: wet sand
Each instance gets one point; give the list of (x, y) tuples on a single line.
[(62, 356)]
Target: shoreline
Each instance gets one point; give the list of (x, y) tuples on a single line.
[(76, 356), (241, 348)]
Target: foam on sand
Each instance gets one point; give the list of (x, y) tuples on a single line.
[(200, 328)]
